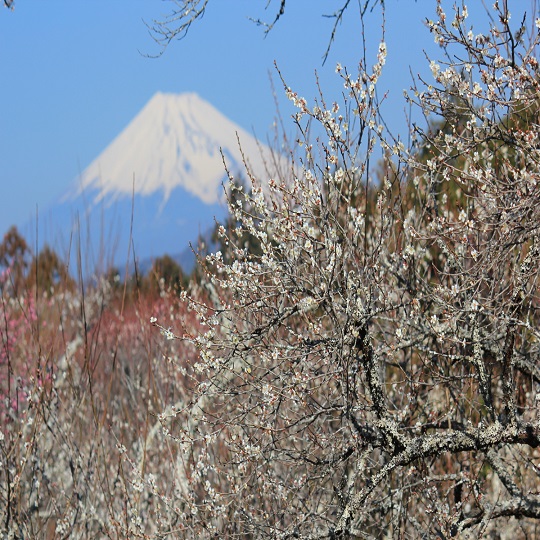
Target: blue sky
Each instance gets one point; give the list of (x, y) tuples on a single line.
[(73, 75)]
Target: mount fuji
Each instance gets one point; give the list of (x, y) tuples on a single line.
[(161, 178)]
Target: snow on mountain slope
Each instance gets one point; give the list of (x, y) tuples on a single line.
[(173, 142), (171, 152)]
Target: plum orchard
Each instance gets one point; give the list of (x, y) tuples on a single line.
[(368, 365)]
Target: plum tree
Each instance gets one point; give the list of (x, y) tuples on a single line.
[(371, 370)]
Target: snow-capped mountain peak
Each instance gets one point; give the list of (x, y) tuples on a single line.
[(174, 141), (171, 153)]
